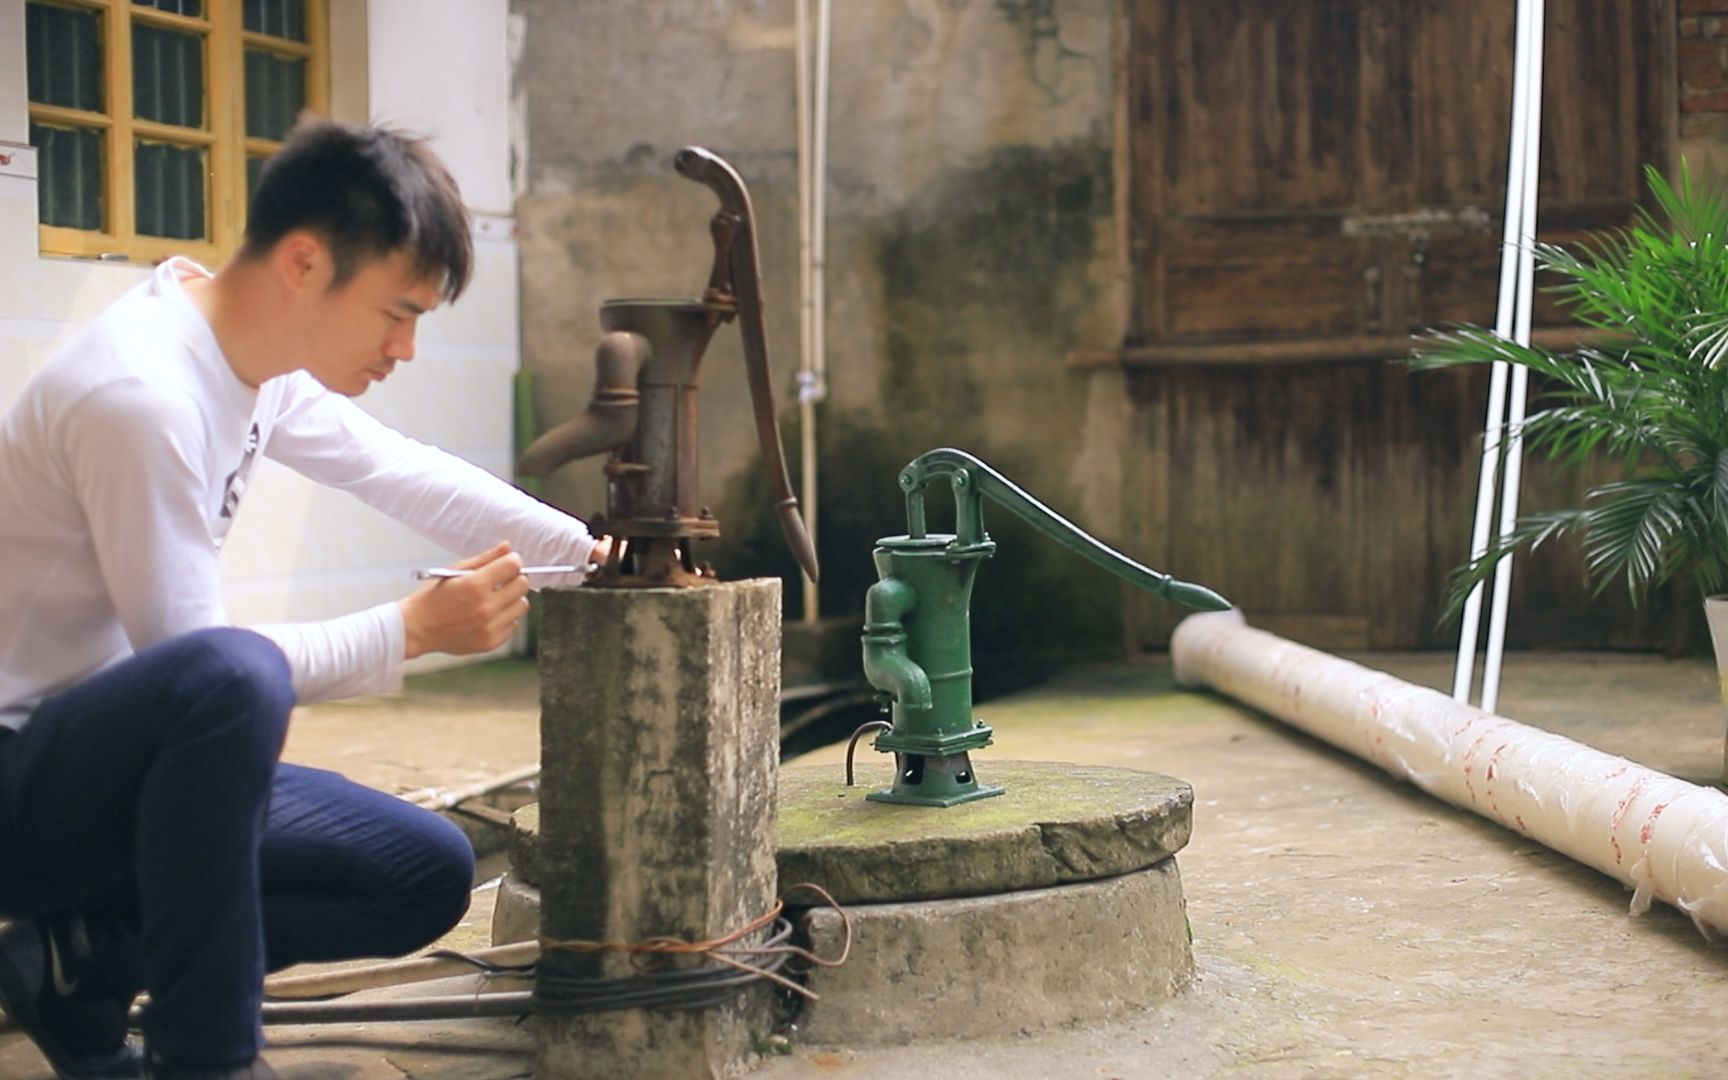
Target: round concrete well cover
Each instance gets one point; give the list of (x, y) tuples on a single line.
[(1055, 823)]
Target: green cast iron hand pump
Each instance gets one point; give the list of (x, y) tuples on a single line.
[(917, 634)]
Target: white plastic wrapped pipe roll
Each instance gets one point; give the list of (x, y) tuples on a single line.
[(1662, 836)]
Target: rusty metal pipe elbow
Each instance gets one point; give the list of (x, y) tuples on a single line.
[(610, 419), (886, 663)]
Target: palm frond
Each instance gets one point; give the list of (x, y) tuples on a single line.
[(1649, 386), (1530, 533)]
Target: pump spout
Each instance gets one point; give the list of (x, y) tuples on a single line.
[(886, 663), (610, 419)]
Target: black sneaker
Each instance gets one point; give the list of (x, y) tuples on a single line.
[(80, 1030)]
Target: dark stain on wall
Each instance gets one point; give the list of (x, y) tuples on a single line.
[(981, 283), (989, 265)]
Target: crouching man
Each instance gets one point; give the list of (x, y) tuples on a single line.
[(149, 838)]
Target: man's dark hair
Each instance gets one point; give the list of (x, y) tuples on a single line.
[(368, 192)]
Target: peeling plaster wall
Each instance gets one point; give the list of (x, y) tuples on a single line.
[(970, 244)]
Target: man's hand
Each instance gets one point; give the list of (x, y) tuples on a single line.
[(472, 614), (602, 551)]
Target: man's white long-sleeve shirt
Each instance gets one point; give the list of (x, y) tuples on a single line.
[(123, 462)]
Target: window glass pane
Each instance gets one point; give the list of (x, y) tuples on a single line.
[(194, 8), (254, 166), (69, 162), (167, 76), (278, 18), (63, 56), (275, 93), (170, 190)]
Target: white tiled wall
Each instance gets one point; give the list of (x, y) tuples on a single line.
[(297, 551)]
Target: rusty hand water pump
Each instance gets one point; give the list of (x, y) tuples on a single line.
[(917, 632), (644, 409)]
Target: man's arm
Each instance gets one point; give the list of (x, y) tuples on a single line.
[(452, 502)]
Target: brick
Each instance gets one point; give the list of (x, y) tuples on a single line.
[(1701, 65), (1704, 103)]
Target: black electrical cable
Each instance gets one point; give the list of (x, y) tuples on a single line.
[(485, 966)]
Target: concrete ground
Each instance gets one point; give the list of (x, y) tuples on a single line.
[(1344, 925)]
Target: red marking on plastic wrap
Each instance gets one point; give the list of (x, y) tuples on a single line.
[(1466, 726), (1620, 815), (1649, 828), (1470, 764), (1488, 775), (1519, 818), (1494, 759)]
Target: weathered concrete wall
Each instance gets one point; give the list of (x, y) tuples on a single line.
[(970, 244)]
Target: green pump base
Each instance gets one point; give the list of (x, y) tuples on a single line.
[(934, 780)]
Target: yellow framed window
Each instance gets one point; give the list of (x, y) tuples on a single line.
[(151, 118)]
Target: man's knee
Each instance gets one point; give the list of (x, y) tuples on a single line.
[(442, 886), (235, 680)]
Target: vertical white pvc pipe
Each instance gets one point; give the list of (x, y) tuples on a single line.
[(819, 206), (1494, 423), (812, 188), (806, 296), (815, 388), (801, 65), (1520, 377)]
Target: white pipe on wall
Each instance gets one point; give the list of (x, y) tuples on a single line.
[(812, 107), (1662, 836)]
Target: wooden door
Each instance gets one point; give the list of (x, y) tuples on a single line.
[(1309, 183)]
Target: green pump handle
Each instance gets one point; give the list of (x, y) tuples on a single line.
[(971, 480)]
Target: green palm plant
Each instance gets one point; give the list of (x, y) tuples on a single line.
[(1648, 385)]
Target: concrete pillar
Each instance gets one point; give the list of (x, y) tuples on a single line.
[(659, 744)]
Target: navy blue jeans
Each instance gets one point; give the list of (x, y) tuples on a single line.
[(149, 798)]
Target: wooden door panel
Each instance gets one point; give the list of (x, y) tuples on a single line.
[(1269, 106), (1275, 498), (1604, 109), (1227, 280), (1335, 170), (1461, 94), (1277, 124)]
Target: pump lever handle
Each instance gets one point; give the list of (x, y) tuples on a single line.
[(736, 273), (972, 480)]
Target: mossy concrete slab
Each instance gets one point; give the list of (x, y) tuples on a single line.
[(1055, 823), (987, 966)]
